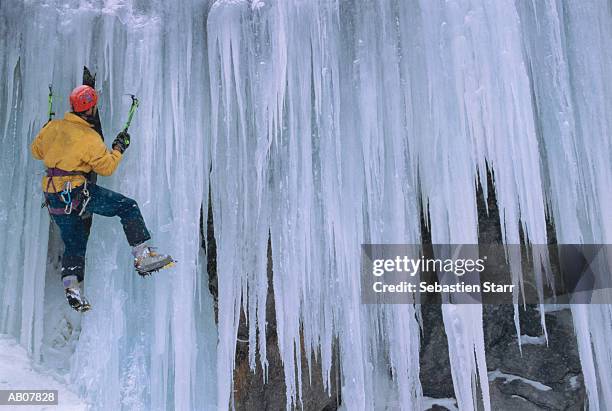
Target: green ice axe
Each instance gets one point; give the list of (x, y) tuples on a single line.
[(50, 99), (131, 113)]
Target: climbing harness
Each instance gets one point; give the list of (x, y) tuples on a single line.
[(132, 111), (65, 195)]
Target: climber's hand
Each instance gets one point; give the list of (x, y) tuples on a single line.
[(122, 142)]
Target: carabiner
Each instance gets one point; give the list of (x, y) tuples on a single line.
[(63, 196), (85, 191), (66, 193), (84, 205)]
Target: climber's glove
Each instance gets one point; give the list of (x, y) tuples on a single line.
[(122, 142)]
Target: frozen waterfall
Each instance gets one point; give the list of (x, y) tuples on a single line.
[(317, 125)]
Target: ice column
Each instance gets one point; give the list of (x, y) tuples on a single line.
[(568, 48)]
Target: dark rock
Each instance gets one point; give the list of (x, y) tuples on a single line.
[(251, 392), (556, 365), (437, 407), (435, 370), (510, 402)]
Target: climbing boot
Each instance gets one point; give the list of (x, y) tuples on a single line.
[(147, 260), (77, 301)]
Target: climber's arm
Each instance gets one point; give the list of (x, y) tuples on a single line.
[(101, 160)]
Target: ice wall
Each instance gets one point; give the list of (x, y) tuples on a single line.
[(324, 125)]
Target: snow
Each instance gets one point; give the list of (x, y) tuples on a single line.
[(574, 384), (17, 372), (552, 308), (497, 374), (324, 125), (534, 340), (519, 397)]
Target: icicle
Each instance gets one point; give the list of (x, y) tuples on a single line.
[(571, 101)]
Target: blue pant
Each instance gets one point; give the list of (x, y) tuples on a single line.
[(75, 229)]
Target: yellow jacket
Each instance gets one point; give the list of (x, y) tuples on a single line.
[(71, 144)]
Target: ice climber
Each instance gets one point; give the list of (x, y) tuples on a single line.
[(72, 151)]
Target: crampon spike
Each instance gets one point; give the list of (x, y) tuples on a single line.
[(144, 274)]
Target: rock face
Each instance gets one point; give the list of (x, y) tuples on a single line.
[(537, 376), (551, 375), (252, 393), (540, 378)]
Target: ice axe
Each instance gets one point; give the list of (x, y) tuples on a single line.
[(50, 100), (131, 113)]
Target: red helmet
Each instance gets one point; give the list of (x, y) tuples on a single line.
[(83, 98)]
